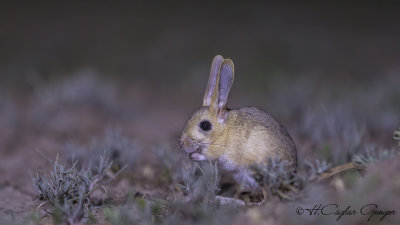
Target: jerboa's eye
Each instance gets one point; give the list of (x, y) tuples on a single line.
[(205, 125)]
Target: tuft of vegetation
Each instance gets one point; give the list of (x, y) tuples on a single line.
[(200, 181), (372, 155), (318, 168), (67, 192), (168, 163), (277, 180)]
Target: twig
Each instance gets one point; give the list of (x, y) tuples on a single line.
[(339, 169)]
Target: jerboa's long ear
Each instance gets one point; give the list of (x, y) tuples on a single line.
[(211, 95), (225, 83)]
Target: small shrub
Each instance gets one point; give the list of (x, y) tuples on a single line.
[(67, 191)]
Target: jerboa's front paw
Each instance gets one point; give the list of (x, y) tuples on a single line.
[(197, 156)]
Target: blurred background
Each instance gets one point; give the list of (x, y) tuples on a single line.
[(70, 71), (174, 42), (162, 52)]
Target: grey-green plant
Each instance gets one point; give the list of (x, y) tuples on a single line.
[(200, 181), (372, 155), (66, 192)]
